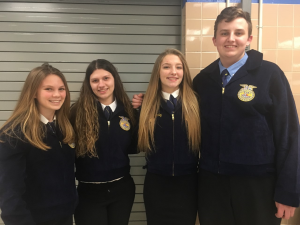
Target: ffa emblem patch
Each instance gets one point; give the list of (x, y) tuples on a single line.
[(160, 115), (72, 145), (246, 93), (124, 123)]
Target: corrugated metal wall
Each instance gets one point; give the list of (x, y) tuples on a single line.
[(69, 34)]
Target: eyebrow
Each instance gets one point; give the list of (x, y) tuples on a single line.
[(170, 63), (234, 30), (47, 85)]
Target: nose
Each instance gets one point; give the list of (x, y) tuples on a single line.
[(231, 37), (174, 70), (56, 93), (101, 83)]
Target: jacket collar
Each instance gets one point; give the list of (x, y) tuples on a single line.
[(253, 62)]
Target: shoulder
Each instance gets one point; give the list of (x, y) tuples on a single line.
[(211, 68)]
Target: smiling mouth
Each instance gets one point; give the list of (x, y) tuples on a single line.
[(55, 101), (103, 91), (172, 78)]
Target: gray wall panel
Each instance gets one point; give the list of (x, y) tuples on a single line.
[(89, 38), (71, 33), (90, 8), (123, 2), (89, 28), (74, 58), (89, 19), (73, 67), (83, 48)]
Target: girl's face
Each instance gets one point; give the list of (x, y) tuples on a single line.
[(171, 73), (103, 85), (50, 95)]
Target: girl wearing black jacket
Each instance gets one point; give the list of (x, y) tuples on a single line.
[(105, 127), (37, 181), (169, 133)]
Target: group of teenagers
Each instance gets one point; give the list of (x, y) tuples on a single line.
[(241, 166)]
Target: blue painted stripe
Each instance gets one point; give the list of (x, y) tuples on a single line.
[(253, 1)]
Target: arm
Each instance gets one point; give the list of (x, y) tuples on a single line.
[(286, 135), (134, 137), (137, 100), (12, 186)]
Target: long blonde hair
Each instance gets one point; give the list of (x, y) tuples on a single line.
[(152, 101), (84, 113), (25, 124)]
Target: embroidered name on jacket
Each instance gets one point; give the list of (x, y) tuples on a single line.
[(246, 93), (124, 123)]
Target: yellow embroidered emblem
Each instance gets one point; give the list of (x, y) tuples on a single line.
[(246, 93), (124, 123), (72, 145), (160, 115)]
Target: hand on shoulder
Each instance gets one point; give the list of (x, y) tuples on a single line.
[(137, 100)]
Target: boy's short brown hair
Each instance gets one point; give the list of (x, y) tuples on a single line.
[(230, 13)]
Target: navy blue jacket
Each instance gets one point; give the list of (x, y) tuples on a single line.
[(36, 185), (113, 146), (172, 155), (257, 137)]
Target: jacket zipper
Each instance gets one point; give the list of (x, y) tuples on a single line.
[(173, 144), (223, 91)]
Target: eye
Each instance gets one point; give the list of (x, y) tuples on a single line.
[(179, 67), (166, 67), (62, 89), (94, 81), (105, 78), (224, 33), (48, 89)]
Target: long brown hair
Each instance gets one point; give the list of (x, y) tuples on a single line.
[(152, 100), (84, 113), (25, 124)]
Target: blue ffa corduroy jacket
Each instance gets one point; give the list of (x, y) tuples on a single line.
[(35, 185), (252, 128), (113, 146), (172, 155)]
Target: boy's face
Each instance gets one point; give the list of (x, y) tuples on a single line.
[(231, 40)]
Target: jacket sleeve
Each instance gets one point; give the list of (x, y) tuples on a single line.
[(12, 185), (286, 134), (132, 149)]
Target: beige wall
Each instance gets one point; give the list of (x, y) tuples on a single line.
[(280, 42)]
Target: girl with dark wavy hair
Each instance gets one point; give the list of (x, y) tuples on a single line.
[(37, 180), (106, 128)]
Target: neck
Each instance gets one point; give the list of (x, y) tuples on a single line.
[(227, 62), (48, 116)]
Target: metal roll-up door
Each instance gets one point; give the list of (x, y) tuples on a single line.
[(71, 33)]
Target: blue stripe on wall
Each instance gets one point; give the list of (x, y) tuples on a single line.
[(253, 1)]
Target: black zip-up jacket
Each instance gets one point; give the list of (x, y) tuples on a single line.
[(172, 155), (113, 146), (248, 137), (35, 185)]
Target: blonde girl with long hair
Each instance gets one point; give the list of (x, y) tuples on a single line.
[(37, 180), (169, 134), (106, 132)]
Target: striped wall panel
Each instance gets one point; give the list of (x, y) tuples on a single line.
[(71, 33)]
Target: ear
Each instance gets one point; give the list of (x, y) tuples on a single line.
[(214, 41), (249, 40)]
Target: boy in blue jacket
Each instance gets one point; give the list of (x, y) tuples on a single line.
[(249, 169)]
